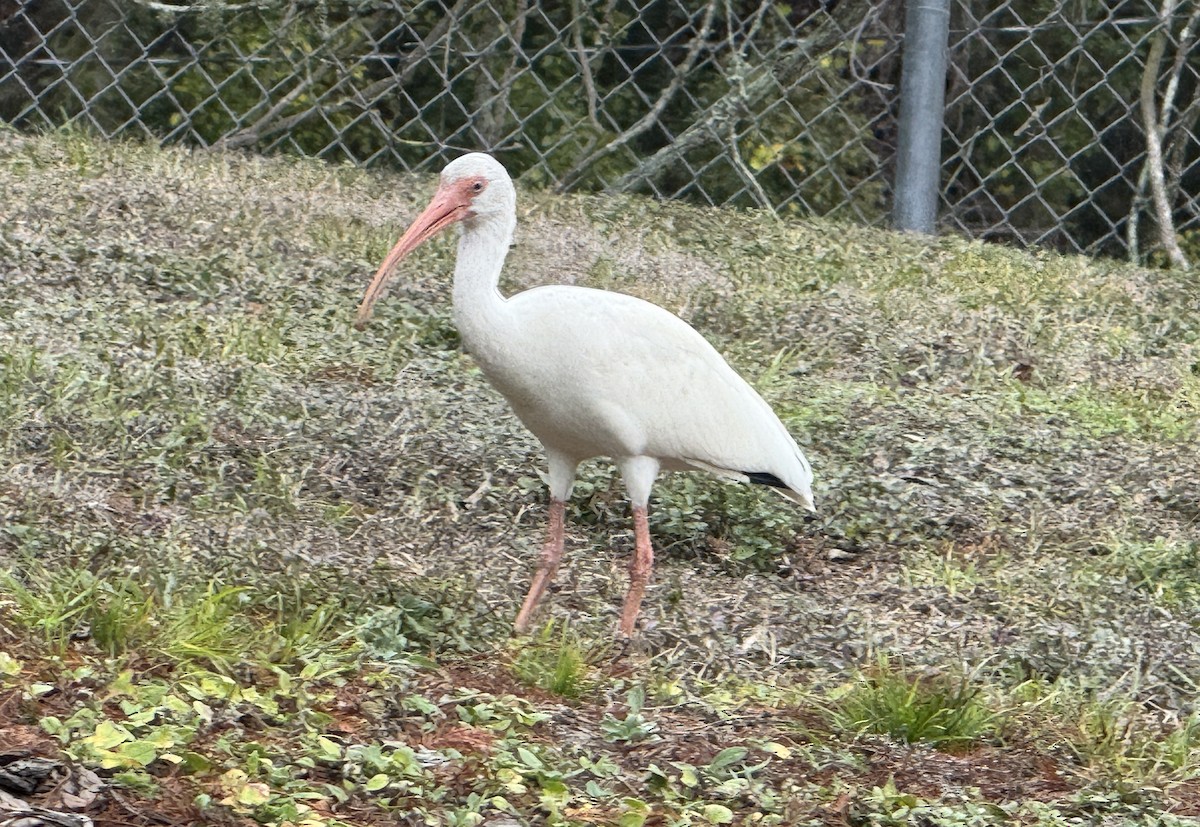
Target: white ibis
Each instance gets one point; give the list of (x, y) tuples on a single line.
[(593, 373)]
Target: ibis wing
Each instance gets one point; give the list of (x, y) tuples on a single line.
[(628, 378)]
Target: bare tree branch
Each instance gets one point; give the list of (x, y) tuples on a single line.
[(592, 98), (491, 114), (1155, 129), (712, 124), (650, 118), (214, 6), (1174, 154), (167, 8), (1136, 204), (585, 66), (747, 174), (738, 77), (272, 122)]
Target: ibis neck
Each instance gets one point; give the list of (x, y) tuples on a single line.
[(478, 304)]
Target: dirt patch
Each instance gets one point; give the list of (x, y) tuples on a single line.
[(1000, 775)]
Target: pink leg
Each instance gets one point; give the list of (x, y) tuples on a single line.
[(639, 571), (547, 566)]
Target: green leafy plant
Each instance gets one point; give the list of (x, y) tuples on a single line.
[(633, 726), (413, 619)]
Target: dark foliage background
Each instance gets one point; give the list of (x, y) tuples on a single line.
[(786, 106)]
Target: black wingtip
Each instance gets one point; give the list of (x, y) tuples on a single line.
[(763, 478)]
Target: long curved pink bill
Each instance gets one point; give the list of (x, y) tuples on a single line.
[(445, 208)]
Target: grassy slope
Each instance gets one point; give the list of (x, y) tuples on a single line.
[(1006, 478)]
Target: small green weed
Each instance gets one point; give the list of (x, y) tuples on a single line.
[(888, 700), (634, 726), (944, 568), (124, 613), (62, 605), (1115, 411), (209, 627), (424, 617), (302, 632), (888, 805), (1108, 734), (1167, 570), (1180, 752), (556, 663)]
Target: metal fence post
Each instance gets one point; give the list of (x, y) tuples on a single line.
[(922, 98)]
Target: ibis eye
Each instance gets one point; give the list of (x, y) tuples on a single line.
[(477, 186)]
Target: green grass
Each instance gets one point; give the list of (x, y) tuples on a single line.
[(129, 614), (1167, 572), (223, 510), (557, 663), (1118, 411), (949, 570), (888, 699), (1105, 732)]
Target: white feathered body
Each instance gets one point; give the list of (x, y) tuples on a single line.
[(595, 373)]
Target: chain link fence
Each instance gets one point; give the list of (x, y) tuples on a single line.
[(790, 107)]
